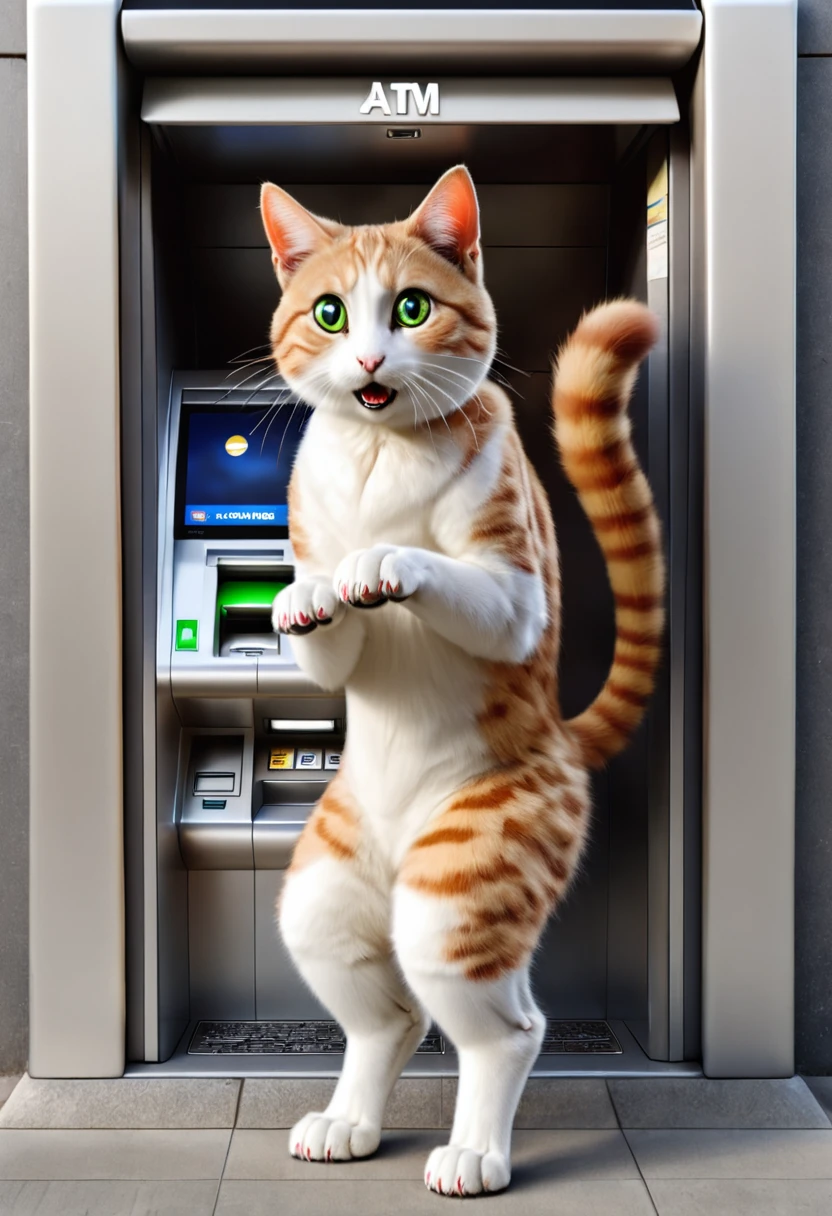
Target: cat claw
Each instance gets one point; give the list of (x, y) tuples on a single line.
[(319, 1137), (305, 606), (455, 1170)]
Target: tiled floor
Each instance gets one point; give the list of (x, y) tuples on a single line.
[(634, 1148)]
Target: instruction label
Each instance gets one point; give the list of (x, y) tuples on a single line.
[(657, 227)]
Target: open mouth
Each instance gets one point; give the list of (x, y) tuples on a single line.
[(375, 396)]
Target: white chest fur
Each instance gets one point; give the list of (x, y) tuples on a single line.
[(413, 697)]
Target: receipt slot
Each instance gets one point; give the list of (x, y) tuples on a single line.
[(176, 748)]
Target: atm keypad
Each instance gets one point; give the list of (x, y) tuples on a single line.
[(332, 760), (281, 758), (309, 758)]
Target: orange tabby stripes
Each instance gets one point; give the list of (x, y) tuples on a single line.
[(594, 377)]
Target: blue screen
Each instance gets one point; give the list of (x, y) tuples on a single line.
[(237, 466)]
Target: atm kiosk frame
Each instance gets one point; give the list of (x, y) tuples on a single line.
[(93, 356)]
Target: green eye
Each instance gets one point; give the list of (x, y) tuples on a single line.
[(330, 314), (412, 307)]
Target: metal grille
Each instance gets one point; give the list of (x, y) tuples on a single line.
[(322, 1038), (578, 1038), (313, 1038)]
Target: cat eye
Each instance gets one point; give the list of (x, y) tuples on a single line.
[(330, 313), (412, 307)]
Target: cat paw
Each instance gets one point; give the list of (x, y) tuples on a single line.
[(367, 578), (453, 1170), (303, 606), (317, 1137)]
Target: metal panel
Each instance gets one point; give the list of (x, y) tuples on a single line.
[(221, 939), (77, 906), (746, 118), (188, 101), (14, 565), (331, 40), (281, 993)]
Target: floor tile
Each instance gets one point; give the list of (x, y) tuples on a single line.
[(129, 1102), (107, 1198), (71, 1155), (554, 1102), (541, 1158), (746, 1197), (412, 1199), (681, 1102), (279, 1102), (732, 1154), (264, 1156)]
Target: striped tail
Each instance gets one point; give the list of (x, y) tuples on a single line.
[(595, 373)]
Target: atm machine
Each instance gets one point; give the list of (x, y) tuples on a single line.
[(612, 155)]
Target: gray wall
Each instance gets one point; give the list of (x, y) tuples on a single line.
[(14, 540), (814, 734), (814, 546)]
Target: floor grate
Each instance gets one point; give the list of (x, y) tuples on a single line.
[(313, 1038), (323, 1038), (579, 1038)]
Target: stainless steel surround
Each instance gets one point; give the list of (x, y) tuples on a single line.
[(321, 41), (744, 300), (76, 932), (118, 722)]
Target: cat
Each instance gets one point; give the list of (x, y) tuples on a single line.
[(424, 877)]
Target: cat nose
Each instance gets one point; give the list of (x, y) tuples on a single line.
[(370, 362)]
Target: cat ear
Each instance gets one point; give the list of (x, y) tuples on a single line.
[(294, 233), (449, 219)]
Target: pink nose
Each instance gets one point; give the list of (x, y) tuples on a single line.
[(370, 362)]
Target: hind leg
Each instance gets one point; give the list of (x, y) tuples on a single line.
[(497, 1031), (335, 918), (471, 899)]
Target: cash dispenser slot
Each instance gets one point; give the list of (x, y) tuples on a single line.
[(244, 609)]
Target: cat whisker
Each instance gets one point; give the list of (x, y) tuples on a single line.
[(261, 346), (274, 413), (286, 430), (440, 412), (415, 388), (264, 384), (276, 403), (520, 371), (244, 363), (232, 388)]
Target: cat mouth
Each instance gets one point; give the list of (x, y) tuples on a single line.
[(375, 396)]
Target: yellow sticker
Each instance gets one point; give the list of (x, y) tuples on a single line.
[(282, 757)]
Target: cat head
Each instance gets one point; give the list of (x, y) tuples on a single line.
[(391, 323)]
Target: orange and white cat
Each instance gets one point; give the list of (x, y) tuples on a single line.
[(425, 875)]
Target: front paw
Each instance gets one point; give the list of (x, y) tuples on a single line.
[(367, 578), (303, 606)]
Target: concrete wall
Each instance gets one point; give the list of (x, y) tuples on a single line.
[(814, 546), (814, 779), (14, 540)]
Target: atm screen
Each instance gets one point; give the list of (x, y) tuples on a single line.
[(234, 469)]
